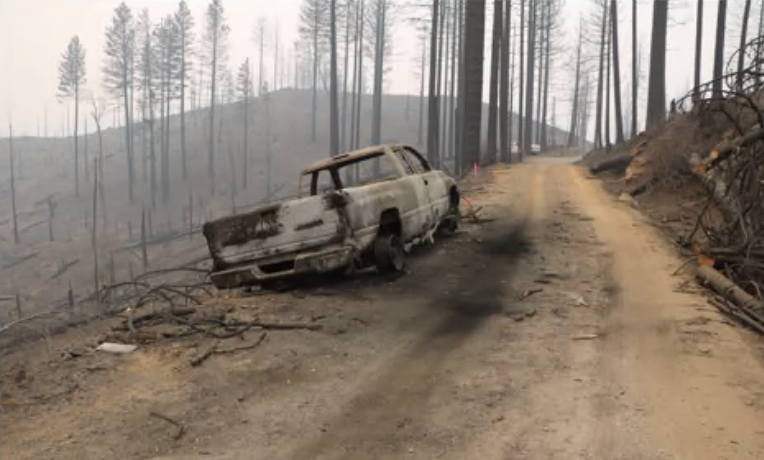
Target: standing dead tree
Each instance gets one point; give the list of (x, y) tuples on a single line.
[(72, 78), (493, 91), (12, 170), (244, 90), (216, 48), (118, 76), (184, 23), (474, 32), (656, 91)]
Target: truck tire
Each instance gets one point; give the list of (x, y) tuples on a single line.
[(388, 254)]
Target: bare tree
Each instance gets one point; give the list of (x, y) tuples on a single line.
[(12, 169), (600, 79), (312, 27), (656, 95), (743, 37), (521, 92), (146, 81), (634, 71), (528, 126), (493, 90), (244, 90), (216, 44), (72, 77), (698, 47), (505, 108), (380, 28), (118, 72), (334, 121), (433, 108), (574, 115), (474, 33), (616, 73), (185, 30), (721, 20)]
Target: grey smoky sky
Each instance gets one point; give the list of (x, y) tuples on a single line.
[(34, 33)]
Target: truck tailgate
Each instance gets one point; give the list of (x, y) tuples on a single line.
[(275, 229)]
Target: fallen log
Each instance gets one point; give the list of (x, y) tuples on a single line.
[(729, 290), (723, 151), (611, 163)]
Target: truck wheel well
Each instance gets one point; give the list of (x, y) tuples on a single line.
[(454, 197), (390, 222)]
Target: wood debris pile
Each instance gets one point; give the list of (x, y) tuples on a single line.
[(729, 233)]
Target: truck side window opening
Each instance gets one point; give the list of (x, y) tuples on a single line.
[(416, 161), (368, 170), (321, 182), (406, 164)]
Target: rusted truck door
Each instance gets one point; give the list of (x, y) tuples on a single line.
[(432, 182)]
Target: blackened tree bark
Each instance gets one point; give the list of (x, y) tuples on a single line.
[(721, 20), (521, 93), (634, 71), (493, 91), (504, 81), (13, 185), (698, 47), (334, 123), (600, 81), (743, 37), (616, 74), (379, 69), (574, 112), (474, 36), (656, 93), (547, 70), (528, 125), (433, 109)]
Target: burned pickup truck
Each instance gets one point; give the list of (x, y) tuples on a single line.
[(355, 210)]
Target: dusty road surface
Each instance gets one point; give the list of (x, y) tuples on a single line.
[(554, 329)]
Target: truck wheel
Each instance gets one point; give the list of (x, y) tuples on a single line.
[(388, 254), (448, 226)]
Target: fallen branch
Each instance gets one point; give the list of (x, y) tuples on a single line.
[(199, 359), (27, 319), (726, 288), (260, 340), (180, 426)]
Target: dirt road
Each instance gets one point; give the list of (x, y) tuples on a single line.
[(553, 331)]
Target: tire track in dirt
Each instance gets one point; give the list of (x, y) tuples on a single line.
[(370, 426)]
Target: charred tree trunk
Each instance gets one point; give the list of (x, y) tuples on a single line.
[(343, 123), (504, 82), (634, 71), (616, 74), (721, 20), (600, 81), (334, 122), (521, 93), (574, 112), (698, 48), (656, 94), (743, 38), (379, 69), (528, 126), (433, 125), (547, 54), (13, 186), (474, 28), (420, 130), (608, 46), (493, 91)]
